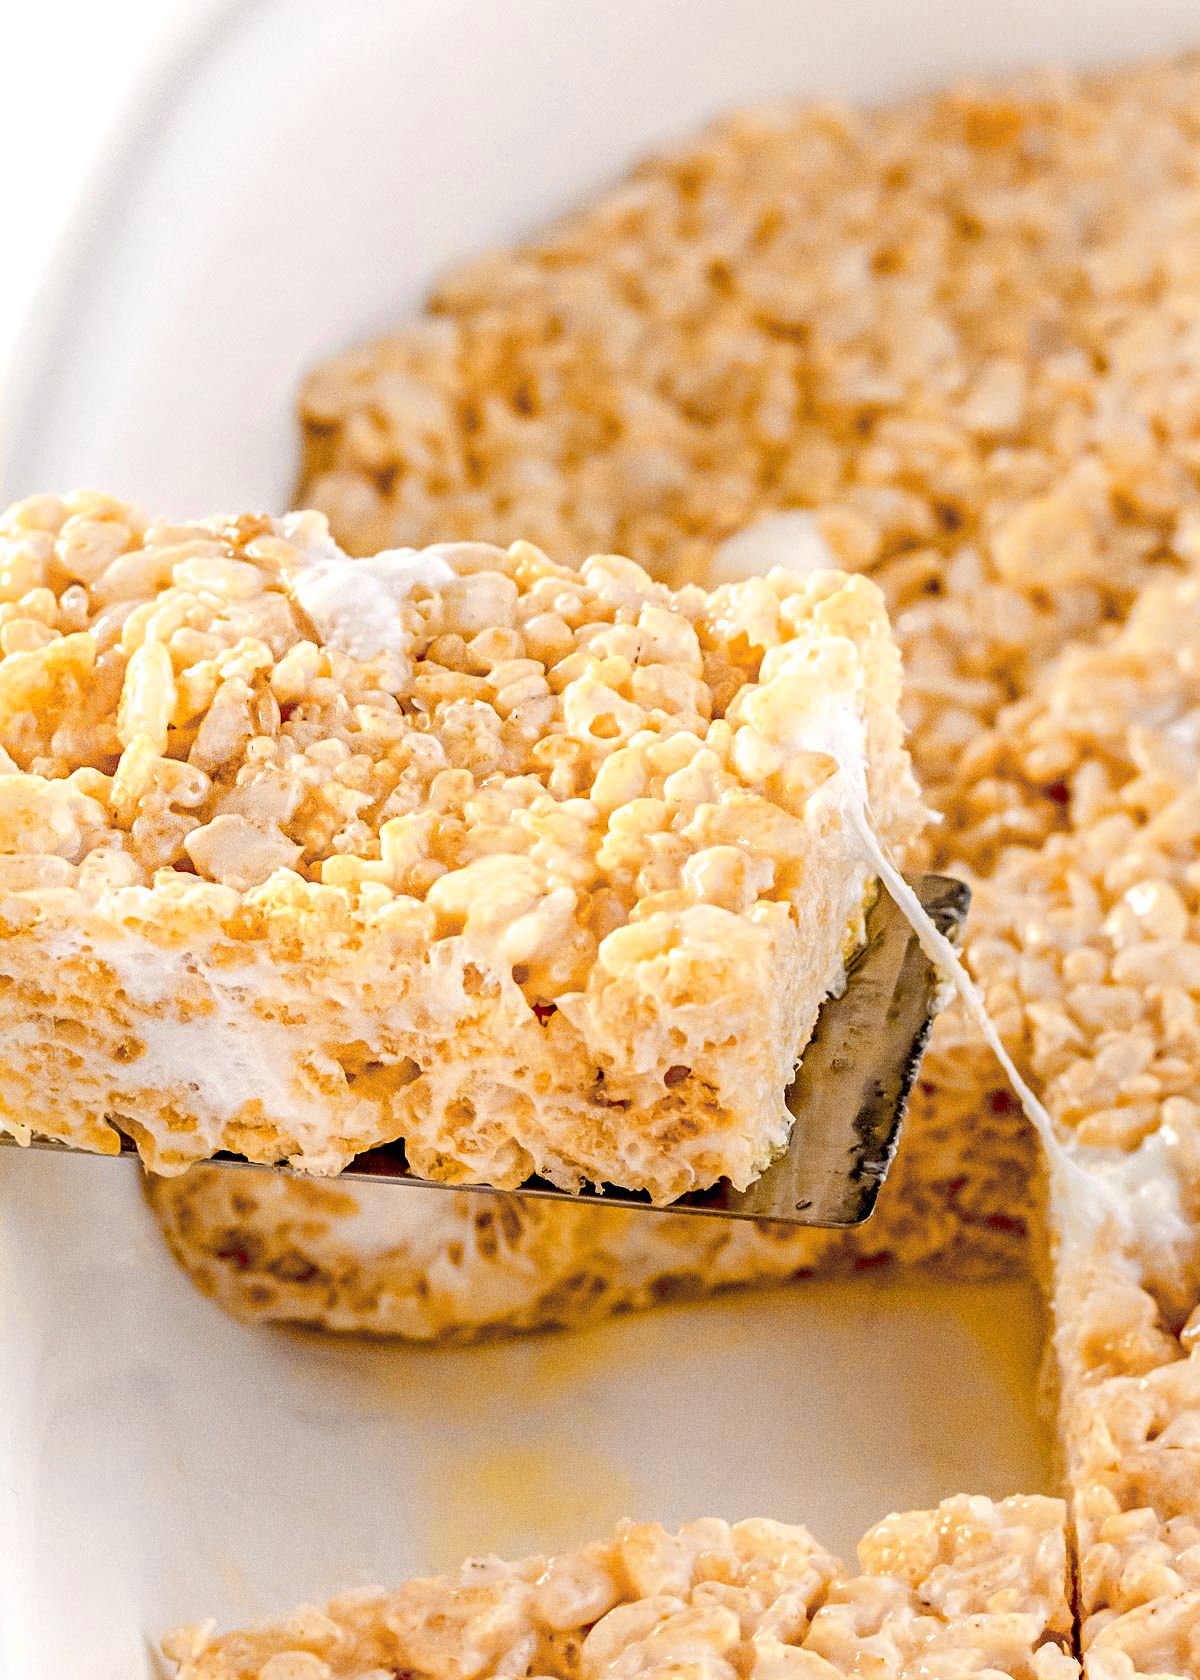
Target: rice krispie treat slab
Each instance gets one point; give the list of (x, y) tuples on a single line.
[(950, 336), (1092, 957), (539, 870), (972, 1587), (942, 342), (1086, 946), (1129, 1417)]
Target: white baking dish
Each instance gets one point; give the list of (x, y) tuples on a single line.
[(300, 176)]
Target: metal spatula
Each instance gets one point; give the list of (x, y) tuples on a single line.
[(847, 1100)]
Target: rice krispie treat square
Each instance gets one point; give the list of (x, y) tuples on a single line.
[(1091, 959), (1128, 1357), (971, 1587), (538, 870)]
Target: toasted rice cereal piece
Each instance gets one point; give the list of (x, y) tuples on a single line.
[(956, 331), (972, 1587), (1160, 1639), (280, 827)]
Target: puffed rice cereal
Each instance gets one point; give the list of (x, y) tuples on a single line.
[(972, 1588), (538, 870)]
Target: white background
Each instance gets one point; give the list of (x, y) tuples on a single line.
[(70, 67)]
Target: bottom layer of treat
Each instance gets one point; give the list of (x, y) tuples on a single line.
[(454, 1266)]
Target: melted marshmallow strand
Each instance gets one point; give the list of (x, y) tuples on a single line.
[(1130, 1189), (836, 728)]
